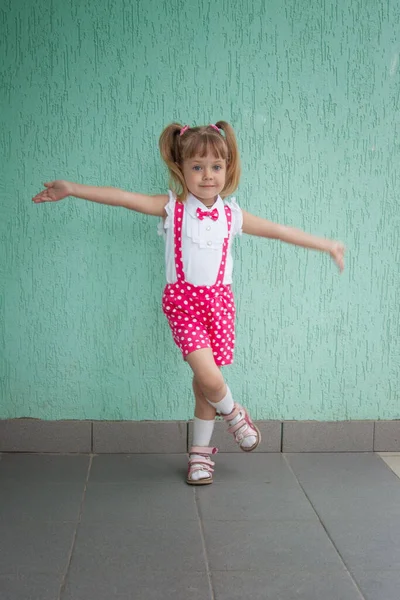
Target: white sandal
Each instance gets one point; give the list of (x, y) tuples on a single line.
[(202, 462)]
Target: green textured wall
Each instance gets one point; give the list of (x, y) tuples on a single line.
[(312, 90)]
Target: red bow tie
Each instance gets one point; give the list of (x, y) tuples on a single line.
[(213, 214)]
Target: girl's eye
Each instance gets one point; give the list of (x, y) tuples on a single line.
[(215, 167)]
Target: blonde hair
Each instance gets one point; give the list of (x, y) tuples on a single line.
[(198, 141)]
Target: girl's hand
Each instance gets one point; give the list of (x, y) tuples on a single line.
[(337, 250), (56, 190)]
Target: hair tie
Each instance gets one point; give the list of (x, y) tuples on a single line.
[(182, 131), (215, 127)]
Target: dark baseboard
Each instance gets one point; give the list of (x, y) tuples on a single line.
[(174, 437)]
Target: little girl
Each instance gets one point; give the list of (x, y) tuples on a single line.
[(198, 225)]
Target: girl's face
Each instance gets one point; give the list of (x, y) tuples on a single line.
[(205, 177)]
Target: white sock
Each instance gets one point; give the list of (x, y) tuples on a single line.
[(202, 432), (225, 407)]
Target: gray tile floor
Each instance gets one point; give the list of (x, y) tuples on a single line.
[(271, 527)]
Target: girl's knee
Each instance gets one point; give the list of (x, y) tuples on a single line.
[(206, 373), (212, 383)]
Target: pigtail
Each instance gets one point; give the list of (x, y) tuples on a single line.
[(233, 167), (169, 144)]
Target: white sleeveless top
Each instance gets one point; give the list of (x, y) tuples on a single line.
[(202, 240)]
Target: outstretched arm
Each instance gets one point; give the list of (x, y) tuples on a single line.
[(59, 189), (261, 227)]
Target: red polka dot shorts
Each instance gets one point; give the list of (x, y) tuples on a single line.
[(200, 316)]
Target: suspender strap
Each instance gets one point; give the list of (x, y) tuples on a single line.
[(221, 272), (178, 224)]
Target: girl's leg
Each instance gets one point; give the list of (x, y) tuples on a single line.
[(207, 375), (203, 426), (203, 409), (211, 383)]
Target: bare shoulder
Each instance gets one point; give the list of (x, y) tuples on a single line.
[(161, 201)]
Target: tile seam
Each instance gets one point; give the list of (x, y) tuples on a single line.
[(362, 597), (203, 543), (67, 568)]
